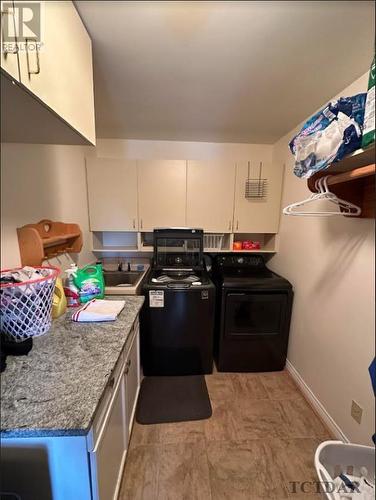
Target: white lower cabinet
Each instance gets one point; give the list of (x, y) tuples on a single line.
[(132, 381), (109, 437), (107, 457)]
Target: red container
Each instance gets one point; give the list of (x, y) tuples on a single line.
[(247, 245)]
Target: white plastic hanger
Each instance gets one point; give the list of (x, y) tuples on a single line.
[(347, 207), (323, 193)]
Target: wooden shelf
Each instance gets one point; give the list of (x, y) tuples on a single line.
[(352, 175), (47, 239), (352, 179), (54, 240)]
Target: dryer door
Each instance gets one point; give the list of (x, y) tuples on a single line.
[(250, 314)]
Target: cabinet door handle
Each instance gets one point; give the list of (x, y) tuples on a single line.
[(127, 366), (134, 223), (141, 223), (229, 226), (237, 224), (30, 71)]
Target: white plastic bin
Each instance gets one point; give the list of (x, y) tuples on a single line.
[(335, 457)]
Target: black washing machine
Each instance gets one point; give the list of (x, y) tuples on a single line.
[(177, 319), (253, 314)]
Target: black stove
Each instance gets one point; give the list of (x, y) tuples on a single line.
[(177, 320)]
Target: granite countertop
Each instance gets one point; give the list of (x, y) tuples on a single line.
[(56, 388)]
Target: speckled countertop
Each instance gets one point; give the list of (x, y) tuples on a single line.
[(56, 388)]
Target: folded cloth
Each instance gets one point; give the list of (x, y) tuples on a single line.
[(99, 310)]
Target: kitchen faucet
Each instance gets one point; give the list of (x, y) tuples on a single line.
[(120, 266)]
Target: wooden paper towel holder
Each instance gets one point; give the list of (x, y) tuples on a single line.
[(47, 239)]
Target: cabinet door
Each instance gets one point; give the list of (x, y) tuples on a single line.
[(60, 74), (162, 191), (132, 370), (258, 215), (107, 458), (210, 195), (112, 193), (9, 53)]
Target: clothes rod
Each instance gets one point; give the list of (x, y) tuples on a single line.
[(352, 175)]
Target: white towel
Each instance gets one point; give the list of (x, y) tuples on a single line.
[(99, 310)]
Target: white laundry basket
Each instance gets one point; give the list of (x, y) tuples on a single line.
[(335, 457), (26, 306)]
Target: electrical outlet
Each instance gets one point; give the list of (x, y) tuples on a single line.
[(356, 412)]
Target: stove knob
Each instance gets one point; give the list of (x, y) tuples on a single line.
[(240, 260)]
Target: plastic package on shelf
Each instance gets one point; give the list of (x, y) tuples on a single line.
[(329, 135)]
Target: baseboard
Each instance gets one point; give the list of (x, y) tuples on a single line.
[(332, 426)]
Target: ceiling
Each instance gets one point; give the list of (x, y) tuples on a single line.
[(221, 71)]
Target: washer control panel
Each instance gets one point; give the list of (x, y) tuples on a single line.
[(256, 261)]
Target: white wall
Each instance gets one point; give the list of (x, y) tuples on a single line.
[(330, 262), (42, 182), (179, 150)]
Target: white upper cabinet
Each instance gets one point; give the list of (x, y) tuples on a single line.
[(210, 195), (56, 72), (9, 53), (112, 190), (258, 215), (162, 194), (141, 195)]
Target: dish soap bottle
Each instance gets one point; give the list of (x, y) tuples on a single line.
[(70, 289), (90, 282), (369, 113)]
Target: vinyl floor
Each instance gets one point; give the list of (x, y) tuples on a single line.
[(258, 444)]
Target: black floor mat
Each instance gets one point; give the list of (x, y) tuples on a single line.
[(173, 399)]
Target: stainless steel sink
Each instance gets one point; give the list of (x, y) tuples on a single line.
[(121, 278)]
